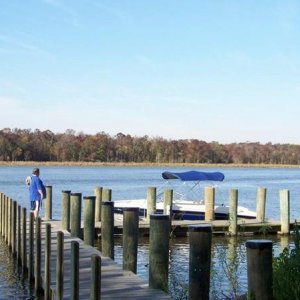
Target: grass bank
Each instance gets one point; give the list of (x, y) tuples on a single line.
[(145, 164)]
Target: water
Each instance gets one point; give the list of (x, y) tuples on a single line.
[(12, 283), (132, 183)]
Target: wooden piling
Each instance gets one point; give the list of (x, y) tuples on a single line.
[(48, 203), (96, 277), (24, 240), (259, 269), (9, 205), (37, 263), (233, 204), (47, 275), (6, 219), (130, 238), (89, 220), (168, 202), (159, 252), (200, 237), (209, 200), (151, 201), (14, 228), (1, 213), (1, 216), (106, 194), (107, 229), (19, 242), (284, 211), (98, 195), (261, 197), (74, 270), (60, 265), (31, 248), (76, 214), (65, 210)]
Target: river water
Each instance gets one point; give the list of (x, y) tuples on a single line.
[(132, 183)]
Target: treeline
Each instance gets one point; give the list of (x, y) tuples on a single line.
[(27, 145)]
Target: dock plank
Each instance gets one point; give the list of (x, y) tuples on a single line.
[(115, 282)]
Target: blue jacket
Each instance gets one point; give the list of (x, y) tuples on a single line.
[(36, 185)]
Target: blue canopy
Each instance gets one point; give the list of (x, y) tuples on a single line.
[(194, 176)]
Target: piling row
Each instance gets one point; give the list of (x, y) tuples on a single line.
[(30, 243)]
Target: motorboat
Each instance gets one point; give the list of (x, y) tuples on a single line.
[(184, 207)]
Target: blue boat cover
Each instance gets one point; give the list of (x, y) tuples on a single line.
[(194, 176)]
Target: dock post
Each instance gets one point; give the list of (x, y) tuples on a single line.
[(200, 237), (60, 266), (106, 194), (18, 234), (130, 238), (65, 210), (48, 203), (261, 204), (96, 277), (37, 265), (159, 251), (98, 195), (31, 248), (285, 211), (233, 204), (168, 202), (14, 227), (1, 216), (76, 214), (47, 277), (74, 270), (107, 229), (209, 200), (259, 269), (151, 201), (6, 219), (89, 220), (24, 240), (1, 213), (9, 222)]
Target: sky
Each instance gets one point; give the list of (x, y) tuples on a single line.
[(212, 70)]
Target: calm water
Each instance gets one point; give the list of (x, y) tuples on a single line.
[(132, 183)]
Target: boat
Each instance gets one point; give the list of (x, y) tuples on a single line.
[(185, 208)]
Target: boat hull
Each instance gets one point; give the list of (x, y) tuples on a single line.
[(186, 210)]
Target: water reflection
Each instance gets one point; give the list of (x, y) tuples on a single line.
[(229, 265), (12, 282)]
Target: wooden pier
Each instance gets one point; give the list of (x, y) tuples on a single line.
[(64, 266), (115, 282), (179, 228), (36, 250)]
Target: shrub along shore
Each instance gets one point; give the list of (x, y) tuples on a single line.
[(145, 164)]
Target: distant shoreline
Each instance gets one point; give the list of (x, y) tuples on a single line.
[(122, 164)]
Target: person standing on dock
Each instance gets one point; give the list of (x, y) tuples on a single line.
[(37, 192)]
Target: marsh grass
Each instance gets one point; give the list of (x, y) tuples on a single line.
[(286, 271)]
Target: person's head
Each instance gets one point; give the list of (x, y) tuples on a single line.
[(36, 171)]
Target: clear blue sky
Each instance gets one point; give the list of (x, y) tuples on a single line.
[(214, 70)]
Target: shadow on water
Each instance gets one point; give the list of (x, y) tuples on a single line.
[(13, 285)]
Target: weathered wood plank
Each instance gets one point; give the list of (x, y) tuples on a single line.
[(115, 283)]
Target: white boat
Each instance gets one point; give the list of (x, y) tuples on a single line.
[(186, 209)]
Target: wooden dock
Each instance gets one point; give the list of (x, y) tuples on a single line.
[(115, 282), (180, 227)]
